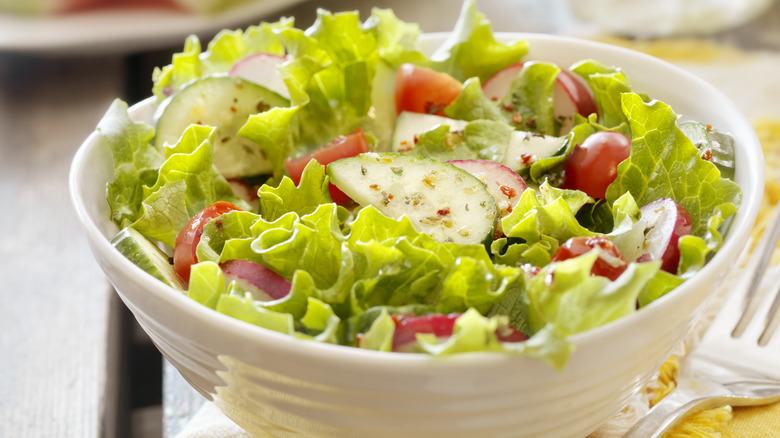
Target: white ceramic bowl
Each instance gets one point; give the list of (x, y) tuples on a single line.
[(273, 384)]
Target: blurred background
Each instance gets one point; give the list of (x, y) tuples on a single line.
[(73, 362)]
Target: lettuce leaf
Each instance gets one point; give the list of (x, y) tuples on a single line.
[(320, 323), (222, 52), (207, 283), (546, 345), (240, 304), (330, 76), (665, 163), (136, 162), (551, 168), (471, 50), (472, 104), (709, 141), (303, 199), (474, 332), (694, 250), (471, 332), (550, 212), (480, 139), (379, 335), (476, 284), (565, 295), (372, 260), (658, 286), (529, 103), (518, 253), (187, 183), (274, 131), (396, 39), (314, 244), (608, 85), (627, 233), (235, 227)]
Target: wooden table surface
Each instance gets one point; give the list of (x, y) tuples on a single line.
[(72, 362)]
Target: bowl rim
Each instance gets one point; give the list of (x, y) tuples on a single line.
[(734, 240)]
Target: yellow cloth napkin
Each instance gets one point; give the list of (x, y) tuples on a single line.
[(753, 422)]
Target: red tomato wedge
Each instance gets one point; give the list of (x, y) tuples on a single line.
[(186, 243), (343, 146), (422, 90), (610, 263)]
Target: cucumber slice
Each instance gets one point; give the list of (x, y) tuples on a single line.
[(502, 182), (409, 125), (442, 200), (715, 146), (141, 251), (383, 107), (526, 148), (224, 102)]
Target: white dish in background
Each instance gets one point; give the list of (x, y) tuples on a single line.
[(123, 30), (665, 18), (272, 384)]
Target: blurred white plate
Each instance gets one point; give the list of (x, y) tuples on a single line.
[(661, 18), (124, 30)]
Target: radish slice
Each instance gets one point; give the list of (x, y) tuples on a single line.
[(570, 95), (261, 68), (665, 222), (263, 283), (498, 85), (408, 326), (502, 182)]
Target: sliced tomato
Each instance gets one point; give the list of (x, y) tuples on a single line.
[(422, 90), (184, 255), (592, 166), (343, 146), (610, 263)]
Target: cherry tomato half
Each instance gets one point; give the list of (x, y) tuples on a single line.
[(592, 166), (184, 255), (610, 263), (422, 90), (343, 146)]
